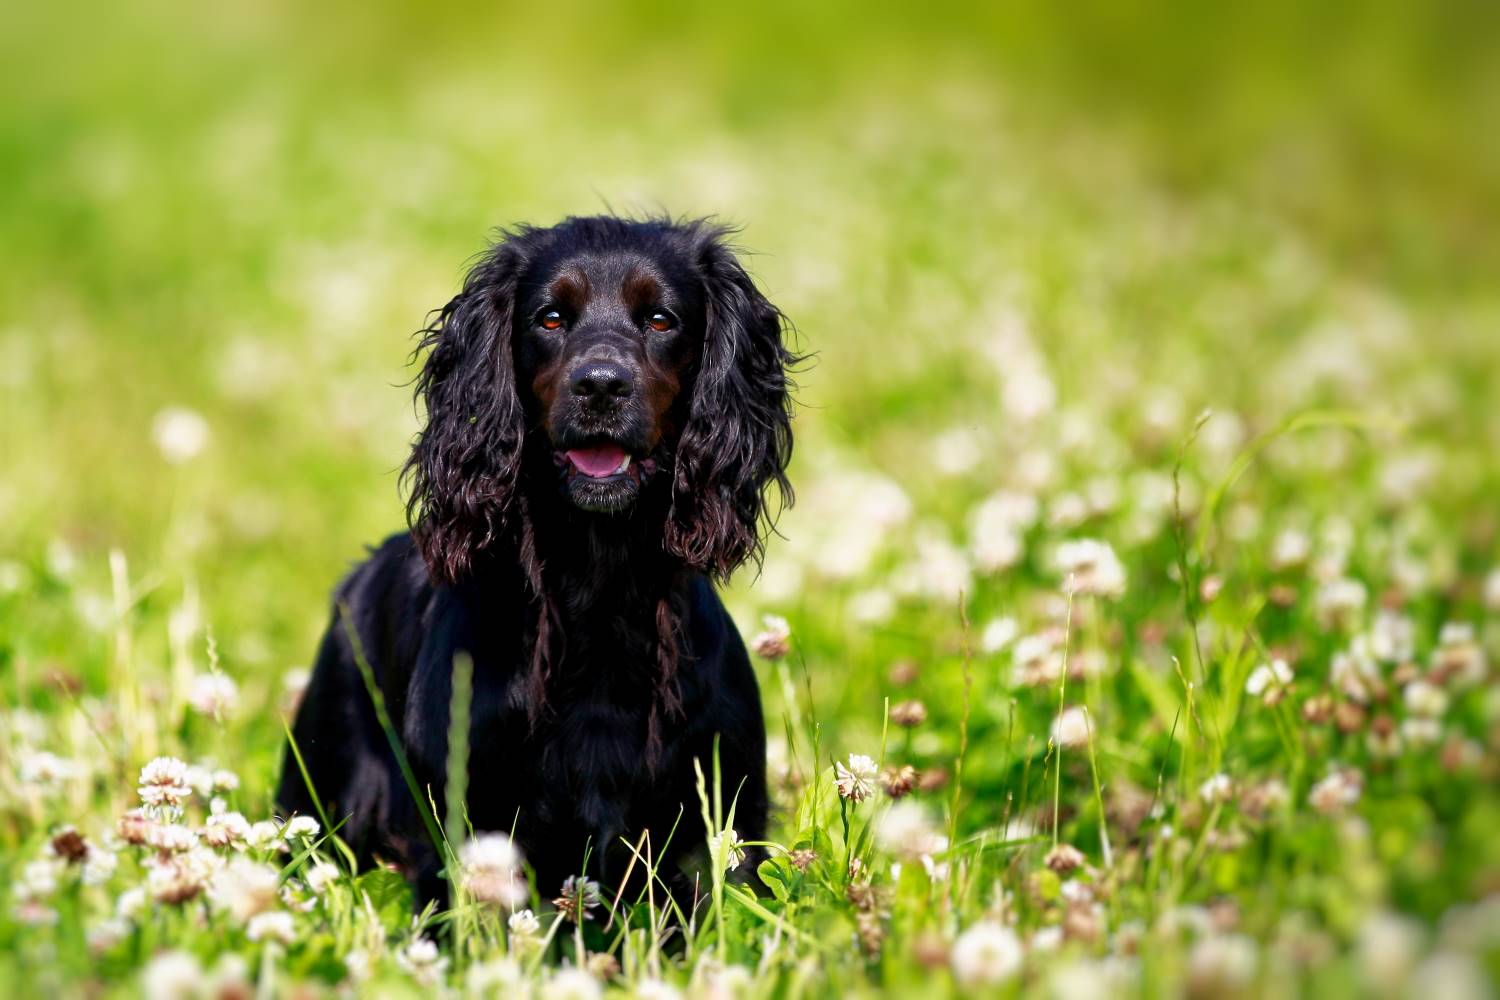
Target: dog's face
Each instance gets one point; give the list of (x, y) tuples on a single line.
[(596, 355), (607, 347)]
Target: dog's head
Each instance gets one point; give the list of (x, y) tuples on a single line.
[(603, 356)]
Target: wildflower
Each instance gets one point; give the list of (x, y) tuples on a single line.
[(603, 966), (1269, 680), (99, 866), (656, 989), (729, 843), (171, 838), (1336, 792), (225, 829), (264, 836), (1387, 947), (855, 782), (213, 695), (907, 832), (1220, 964), (163, 783), (1339, 602), (245, 888), (802, 857), (106, 933), (69, 845), (998, 634), (909, 714), (986, 953), (1421, 732), (422, 961), (1037, 661), (1261, 800), (572, 984), (899, 781), (180, 434), (173, 975), (1216, 789), (1071, 728), (523, 923), (1458, 660), (1064, 859), (273, 925), (872, 606), (131, 903), (300, 828), (774, 641), (47, 771), (499, 977), (1290, 549), (1426, 700), (1392, 637), (492, 870), (578, 898), (1355, 674), (358, 964), (174, 881), (134, 827), (321, 876), (1492, 591), (1091, 567)]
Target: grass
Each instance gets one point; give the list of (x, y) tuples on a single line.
[(1216, 294)]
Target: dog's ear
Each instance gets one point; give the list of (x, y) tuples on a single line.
[(463, 467), (738, 437)]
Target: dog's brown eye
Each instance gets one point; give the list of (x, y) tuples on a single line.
[(550, 319), (659, 321)]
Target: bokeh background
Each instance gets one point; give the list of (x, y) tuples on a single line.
[(1026, 244)]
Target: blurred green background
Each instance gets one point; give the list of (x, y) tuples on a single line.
[(1027, 244)]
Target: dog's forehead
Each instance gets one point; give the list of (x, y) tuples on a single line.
[(637, 276)]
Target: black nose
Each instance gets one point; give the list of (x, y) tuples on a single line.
[(602, 384)]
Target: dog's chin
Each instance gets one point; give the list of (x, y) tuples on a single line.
[(608, 495)]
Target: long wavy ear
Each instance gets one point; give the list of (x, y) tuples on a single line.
[(463, 467), (738, 437)]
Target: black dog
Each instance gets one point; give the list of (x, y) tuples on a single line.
[(607, 407)]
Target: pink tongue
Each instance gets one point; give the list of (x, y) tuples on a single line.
[(597, 462)]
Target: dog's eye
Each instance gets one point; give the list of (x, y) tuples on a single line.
[(660, 322), (549, 319)]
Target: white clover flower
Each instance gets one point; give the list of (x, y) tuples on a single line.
[(498, 977), (1387, 947), (421, 960), (656, 989), (774, 641), (300, 828), (164, 784), (1290, 549), (997, 634), (572, 984), (1221, 963), (131, 903), (245, 888), (1418, 731), (997, 530), (956, 451), (180, 433), (1216, 789), (856, 782), (46, 771), (1392, 637), (1459, 661), (1335, 793), (105, 933), (872, 606), (986, 953), (728, 841), (1071, 728), (213, 694), (1492, 591), (225, 829), (273, 925), (173, 975), (171, 838), (523, 923), (264, 835), (359, 964), (492, 870), (1090, 567), (1268, 677), (1451, 976), (38, 879), (1355, 674), (99, 866), (1424, 699), (907, 832), (1037, 661), (1339, 602), (322, 875)]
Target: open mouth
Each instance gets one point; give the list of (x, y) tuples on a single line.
[(600, 462), (602, 477)]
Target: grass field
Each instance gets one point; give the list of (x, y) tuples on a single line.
[(1148, 501)]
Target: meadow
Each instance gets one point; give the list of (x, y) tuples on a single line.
[(1135, 629)]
